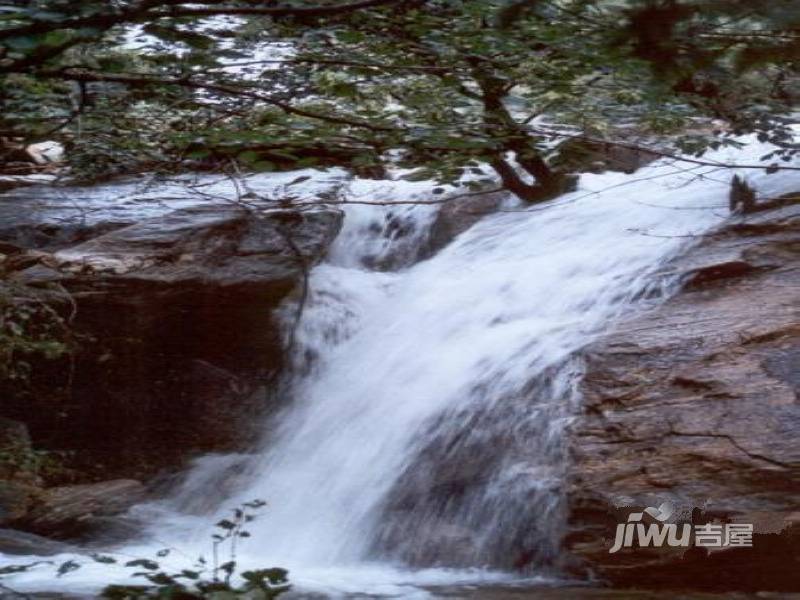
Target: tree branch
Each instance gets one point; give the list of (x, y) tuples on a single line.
[(660, 153), (78, 74)]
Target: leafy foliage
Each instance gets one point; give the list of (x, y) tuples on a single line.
[(446, 86), (216, 579), (21, 458), (29, 326), (204, 580)]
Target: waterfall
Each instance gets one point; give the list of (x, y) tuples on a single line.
[(428, 428), (425, 424)]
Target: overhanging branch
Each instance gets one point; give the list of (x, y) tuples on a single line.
[(85, 75)]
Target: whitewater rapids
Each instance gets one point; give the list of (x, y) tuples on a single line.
[(473, 354)]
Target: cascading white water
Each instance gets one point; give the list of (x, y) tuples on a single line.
[(429, 427)]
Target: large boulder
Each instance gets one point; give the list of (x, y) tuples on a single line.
[(171, 308), (68, 511), (16, 499), (44, 217), (22, 543), (594, 156), (221, 248), (458, 215), (10, 182), (45, 153), (20, 484), (696, 403)]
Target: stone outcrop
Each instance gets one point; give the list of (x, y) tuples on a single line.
[(594, 156), (697, 402), (16, 542), (20, 484), (35, 164), (400, 238), (69, 511), (221, 248), (455, 217), (16, 499), (41, 153), (10, 182), (171, 304)]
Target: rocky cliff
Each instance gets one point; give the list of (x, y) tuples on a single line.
[(170, 303), (696, 402)]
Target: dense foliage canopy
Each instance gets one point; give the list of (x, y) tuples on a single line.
[(447, 86)]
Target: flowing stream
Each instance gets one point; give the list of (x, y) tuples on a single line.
[(423, 442)]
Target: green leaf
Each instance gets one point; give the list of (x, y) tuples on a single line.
[(349, 36), (145, 563), (67, 567), (259, 577), (160, 579), (309, 161), (189, 574), (247, 157), (228, 567), (264, 165), (10, 569), (198, 154), (100, 558), (124, 592), (56, 38)]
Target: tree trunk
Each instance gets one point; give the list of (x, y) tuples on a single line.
[(512, 137), (514, 183)]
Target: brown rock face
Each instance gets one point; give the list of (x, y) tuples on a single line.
[(580, 155), (456, 217), (172, 319), (697, 403), (68, 510)]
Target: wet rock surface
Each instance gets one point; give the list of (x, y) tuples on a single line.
[(171, 307), (15, 542), (16, 499), (579, 593), (596, 156), (696, 402), (67, 511), (457, 216)]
